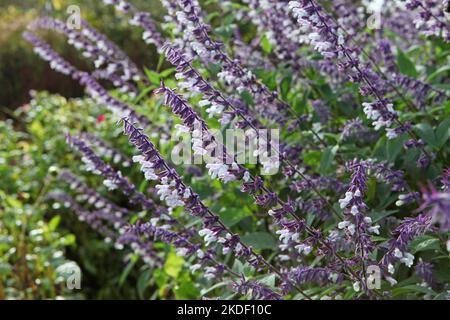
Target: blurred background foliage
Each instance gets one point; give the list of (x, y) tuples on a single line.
[(21, 70), (34, 241)]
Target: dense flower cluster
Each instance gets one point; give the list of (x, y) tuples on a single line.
[(336, 199)]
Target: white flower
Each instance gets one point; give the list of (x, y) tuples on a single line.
[(208, 236), (215, 109), (303, 249), (187, 193), (168, 195), (344, 202), (408, 259), (391, 280), (351, 229), (215, 170), (286, 235), (109, 184), (391, 133), (181, 129), (204, 103), (333, 277), (398, 253), (391, 268), (401, 199), (210, 273), (375, 229), (138, 159), (200, 254), (270, 166), (356, 286), (182, 252), (343, 224), (195, 267), (284, 257)]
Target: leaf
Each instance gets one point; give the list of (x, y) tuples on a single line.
[(377, 216), (143, 282), (143, 93), (185, 289), (127, 270), (5, 268), (268, 280), (152, 76), (411, 289), (238, 267), (14, 203), (247, 97), (312, 158), (327, 159), (425, 131), (173, 264), (266, 45), (57, 4), (54, 222), (405, 65), (69, 240), (285, 86), (232, 215), (393, 148), (424, 243), (217, 285), (167, 72), (260, 240), (438, 72), (371, 189), (443, 132)]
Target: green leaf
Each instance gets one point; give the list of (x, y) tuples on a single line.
[(266, 45), (167, 72), (438, 72), (405, 65), (247, 97), (152, 76), (424, 243), (238, 267), (143, 93), (411, 289), (143, 282), (232, 215), (327, 159), (268, 280), (69, 240), (127, 270), (186, 290), (5, 269), (443, 132), (54, 222), (377, 216), (393, 148), (285, 86), (260, 240), (217, 285), (173, 264), (425, 131)]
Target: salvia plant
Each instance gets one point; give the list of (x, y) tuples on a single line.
[(343, 106)]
